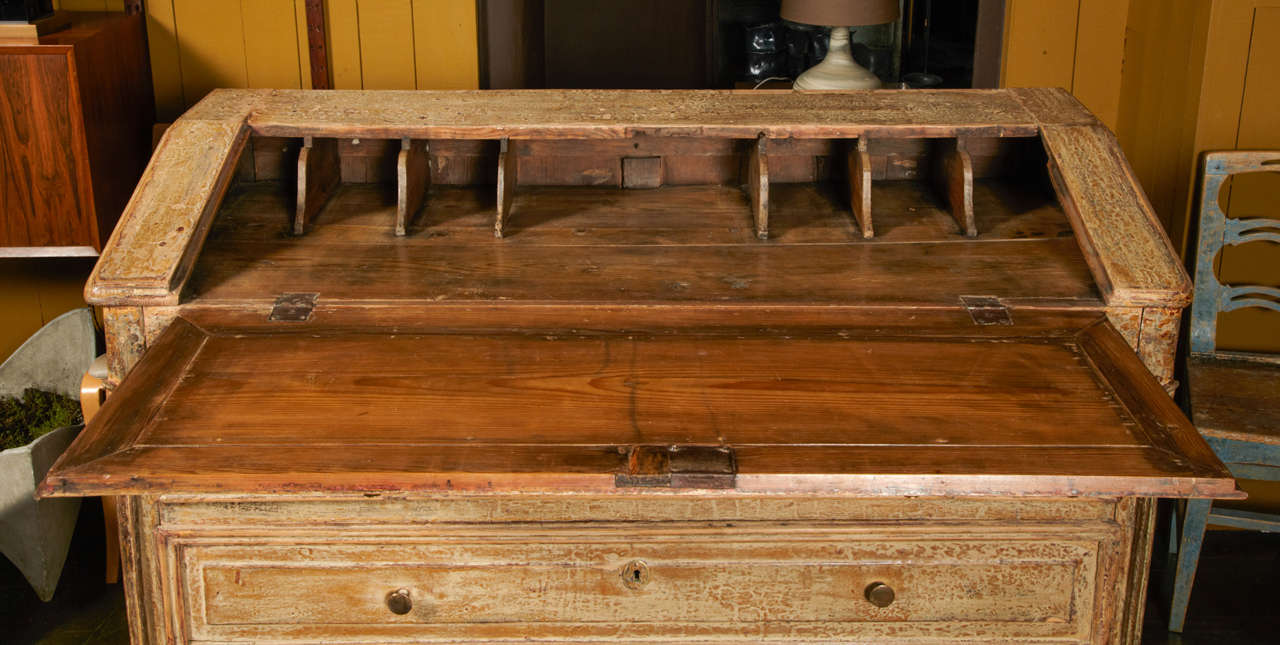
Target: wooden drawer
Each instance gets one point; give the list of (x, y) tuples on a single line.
[(692, 586)]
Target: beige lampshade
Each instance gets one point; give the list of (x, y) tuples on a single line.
[(840, 13)]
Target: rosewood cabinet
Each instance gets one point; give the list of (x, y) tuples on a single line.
[(76, 112), (638, 366)]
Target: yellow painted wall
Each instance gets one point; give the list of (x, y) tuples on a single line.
[(1077, 45), (199, 45), (1174, 78), (35, 291), (403, 44)]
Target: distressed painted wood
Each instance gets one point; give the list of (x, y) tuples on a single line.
[(750, 581), (1120, 236), (611, 114), (626, 401), (1157, 340), (1234, 396), (1217, 232), (1051, 569), (156, 273), (126, 340)]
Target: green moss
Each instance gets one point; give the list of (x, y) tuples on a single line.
[(35, 414)]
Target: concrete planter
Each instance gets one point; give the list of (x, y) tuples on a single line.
[(35, 535)]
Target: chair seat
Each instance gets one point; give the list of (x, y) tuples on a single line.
[(1235, 398)]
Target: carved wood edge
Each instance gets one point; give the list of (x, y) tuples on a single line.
[(1156, 415), (183, 341), (1053, 106), (1129, 224), (147, 225)]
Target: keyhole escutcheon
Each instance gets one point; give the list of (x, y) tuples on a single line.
[(635, 574)]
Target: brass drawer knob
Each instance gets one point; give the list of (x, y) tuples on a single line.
[(399, 602), (880, 594)]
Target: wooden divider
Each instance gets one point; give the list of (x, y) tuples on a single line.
[(758, 186), (507, 166), (413, 177), (953, 177), (946, 163), (860, 185), (319, 173)]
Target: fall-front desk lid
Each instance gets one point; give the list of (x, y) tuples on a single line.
[(1057, 405)]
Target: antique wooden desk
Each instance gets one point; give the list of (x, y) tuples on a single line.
[(638, 366)]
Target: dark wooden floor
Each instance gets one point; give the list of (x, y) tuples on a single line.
[(1235, 599)]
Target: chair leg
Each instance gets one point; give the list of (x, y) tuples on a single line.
[(1193, 523), (112, 529)]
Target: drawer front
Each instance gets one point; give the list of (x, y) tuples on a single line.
[(693, 586)]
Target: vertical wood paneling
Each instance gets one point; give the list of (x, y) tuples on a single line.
[(343, 27), (211, 51), (1261, 103), (445, 46), (1099, 57), (34, 292), (1163, 58), (1254, 194), (386, 44), (197, 45), (166, 73), (19, 305), (271, 43), (1040, 43), (304, 53)]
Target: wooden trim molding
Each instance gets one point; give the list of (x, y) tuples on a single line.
[(316, 45)]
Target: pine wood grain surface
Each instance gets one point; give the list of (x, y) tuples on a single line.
[(675, 244), (871, 414)]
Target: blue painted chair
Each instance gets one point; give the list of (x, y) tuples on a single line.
[(1234, 397)]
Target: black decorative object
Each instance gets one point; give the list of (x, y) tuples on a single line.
[(25, 10), (766, 51)]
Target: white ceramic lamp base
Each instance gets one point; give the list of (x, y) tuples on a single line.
[(838, 71)]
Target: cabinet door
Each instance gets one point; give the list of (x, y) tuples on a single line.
[(44, 197)]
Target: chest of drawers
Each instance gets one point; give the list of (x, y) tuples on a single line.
[(638, 366)]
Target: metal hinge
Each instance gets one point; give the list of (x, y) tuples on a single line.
[(679, 467), (986, 310), (293, 307)]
